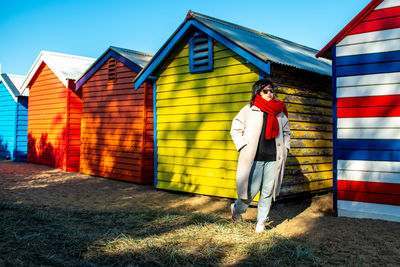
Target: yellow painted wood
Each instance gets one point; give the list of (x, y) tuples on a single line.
[(196, 126), (311, 151), (297, 143), (310, 126), (307, 160), (206, 172), (200, 154), (221, 60), (311, 134), (207, 144), (294, 169), (303, 177), (194, 135), (228, 165), (194, 115), (307, 187), (177, 58), (323, 94), (304, 100), (198, 189), (218, 72), (296, 108), (214, 81), (209, 90), (205, 99), (221, 116), (205, 109), (312, 118), (197, 180)]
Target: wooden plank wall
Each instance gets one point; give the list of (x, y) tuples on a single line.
[(194, 115), (21, 134), (308, 97), (7, 123), (47, 115), (367, 67), (117, 127)]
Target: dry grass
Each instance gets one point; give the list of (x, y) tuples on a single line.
[(33, 236)]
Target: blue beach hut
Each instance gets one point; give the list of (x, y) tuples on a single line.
[(13, 118)]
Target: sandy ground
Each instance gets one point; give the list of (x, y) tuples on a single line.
[(345, 241)]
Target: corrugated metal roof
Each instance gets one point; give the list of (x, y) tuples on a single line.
[(268, 47), (13, 83), (64, 66), (140, 58)]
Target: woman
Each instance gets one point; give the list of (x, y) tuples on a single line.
[(261, 134)]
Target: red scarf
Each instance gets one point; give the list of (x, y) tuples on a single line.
[(272, 108)]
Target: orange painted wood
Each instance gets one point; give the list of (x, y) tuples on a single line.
[(113, 123), (51, 136)]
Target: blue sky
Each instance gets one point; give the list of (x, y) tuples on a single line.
[(89, 27)]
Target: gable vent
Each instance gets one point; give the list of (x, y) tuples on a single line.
[(200, 53), (112, 69)]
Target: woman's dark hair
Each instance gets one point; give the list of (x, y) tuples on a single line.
[(258, 86)]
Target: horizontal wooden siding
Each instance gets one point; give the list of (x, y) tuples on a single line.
[(114, 127), (7, 123), (21, 134), (308, 97), (47, 115), (194, 116), (367, 64)]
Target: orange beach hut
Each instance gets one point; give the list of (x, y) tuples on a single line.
[(54, 115), (117, 121)]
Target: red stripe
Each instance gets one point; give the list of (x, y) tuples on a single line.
[(369, 187), (377, 25), (368, 112), (383, 13), (369, 197), (369, 101), (351, 25)]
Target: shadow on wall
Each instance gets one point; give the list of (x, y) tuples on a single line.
[(19, 155), (4, 152), (112, 129), (43, 152), (294, 179)]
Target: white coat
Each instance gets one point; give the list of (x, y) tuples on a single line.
[(246, 130)]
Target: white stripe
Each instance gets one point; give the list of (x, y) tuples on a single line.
[(368, 48), (370, 79), (387, 4), (357, 209), (368, 165), (369, 134), (370, 37), (369, 90), (361, 176), (376, 122)]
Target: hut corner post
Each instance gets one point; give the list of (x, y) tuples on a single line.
[(334, 122), (142, 163), (155, 131)]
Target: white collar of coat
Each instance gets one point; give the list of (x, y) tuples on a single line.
[(253, 107)]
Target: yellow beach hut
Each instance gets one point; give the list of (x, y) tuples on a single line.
[(202, 76)]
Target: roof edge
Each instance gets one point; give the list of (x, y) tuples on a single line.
[(42, 59), (350, 26), (5, 78), (191, 21), (112, 51)]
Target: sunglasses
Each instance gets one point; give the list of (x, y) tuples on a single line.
[(265, 91)]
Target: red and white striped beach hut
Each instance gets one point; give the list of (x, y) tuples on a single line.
[(366, 85)]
